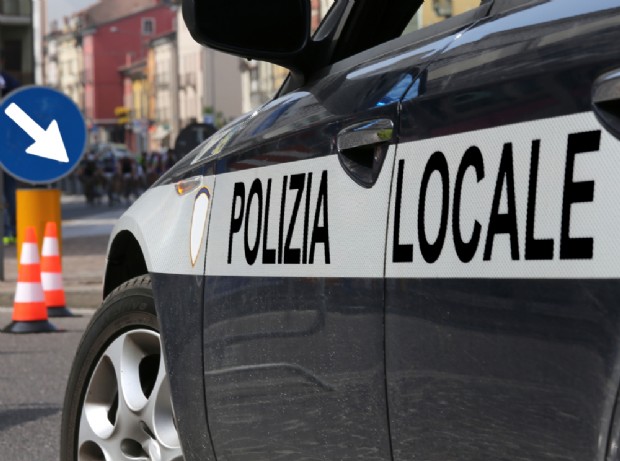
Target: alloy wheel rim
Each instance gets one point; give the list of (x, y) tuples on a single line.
[(127, 410)]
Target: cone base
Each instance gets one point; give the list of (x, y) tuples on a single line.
[(59, 312), (37, 326)]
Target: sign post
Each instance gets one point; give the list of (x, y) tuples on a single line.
[(43, 138)]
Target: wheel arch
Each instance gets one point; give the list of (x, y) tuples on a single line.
[(125, 261)]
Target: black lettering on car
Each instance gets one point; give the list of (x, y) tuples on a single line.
[(577, 192), (466, 250), (401, 252), (504, 223), (281, 228), (535, 249), (306, 219), (290, 249), (235, 222), (269, 254), (293, 255), (320, 234), (251, 252), (436, 163)]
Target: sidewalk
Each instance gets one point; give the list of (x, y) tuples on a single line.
[(83, 263)]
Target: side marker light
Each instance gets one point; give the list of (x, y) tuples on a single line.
[(185, 186)]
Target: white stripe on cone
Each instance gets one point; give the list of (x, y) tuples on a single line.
[(29, 292), (50, 247), (30, 253), (51, 281)]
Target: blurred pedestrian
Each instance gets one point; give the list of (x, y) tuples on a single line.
[(7, 84), (141, 168), (111, 172), (92, 179), (155, 168), (171, 158), (128, 172)]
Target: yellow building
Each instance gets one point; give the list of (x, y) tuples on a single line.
[(134, 112), (437, 10), (139, 96)]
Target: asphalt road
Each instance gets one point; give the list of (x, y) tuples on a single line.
[(34, 367), (82, 220), (33, 375)]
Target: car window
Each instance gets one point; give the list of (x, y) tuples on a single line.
[(399, 18), (319, 12), (432, 12)]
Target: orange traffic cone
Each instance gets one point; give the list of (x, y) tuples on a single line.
[(51, 274), (29, 312)]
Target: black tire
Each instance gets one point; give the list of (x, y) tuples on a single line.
[(128, 308)]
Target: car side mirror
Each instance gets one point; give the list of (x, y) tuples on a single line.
[(277, 31)]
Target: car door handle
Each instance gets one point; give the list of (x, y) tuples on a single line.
[(606, 101), (362, 148), (365, 134)]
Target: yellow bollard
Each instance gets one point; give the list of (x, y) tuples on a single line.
[(35, 207)]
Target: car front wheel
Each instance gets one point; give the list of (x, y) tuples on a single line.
[(118, 404)]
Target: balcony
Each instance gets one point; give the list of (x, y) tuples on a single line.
[(15, 12), (187, 80), (162, 81)]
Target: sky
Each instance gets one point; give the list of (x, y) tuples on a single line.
[(57, 9)]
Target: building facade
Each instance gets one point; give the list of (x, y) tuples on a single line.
[(191, 76), (138, 75), (109, 10), (213, 86), (106, 48), (64, 61), (165, 92), (134, 115), (16, 39)]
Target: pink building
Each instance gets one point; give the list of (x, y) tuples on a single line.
[(107, 47)]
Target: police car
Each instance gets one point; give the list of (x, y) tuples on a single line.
[(412, 252)]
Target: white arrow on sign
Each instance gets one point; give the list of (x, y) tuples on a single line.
[(47, 143)]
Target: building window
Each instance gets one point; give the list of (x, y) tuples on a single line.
[(254, 79), (148, 26), (10, 8)]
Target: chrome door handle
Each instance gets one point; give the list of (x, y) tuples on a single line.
[(606, 101), (366, 133), (362, 147)]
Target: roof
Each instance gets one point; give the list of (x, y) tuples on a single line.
[(106, 11)]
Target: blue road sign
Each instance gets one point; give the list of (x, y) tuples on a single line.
[(42, 134)]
